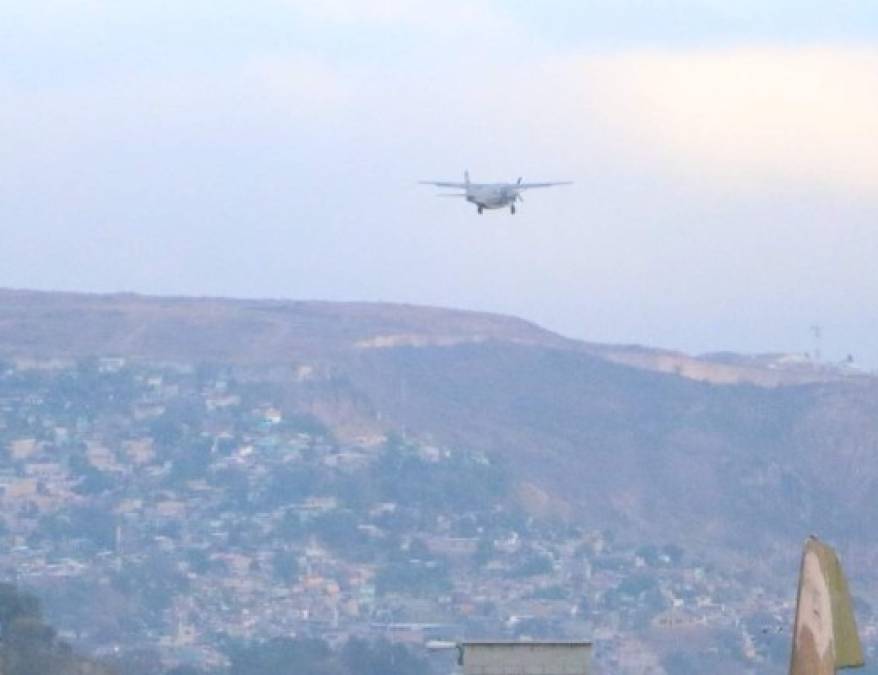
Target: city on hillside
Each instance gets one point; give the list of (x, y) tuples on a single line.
[(178, 511)]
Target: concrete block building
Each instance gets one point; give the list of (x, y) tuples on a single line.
[(526, 658)]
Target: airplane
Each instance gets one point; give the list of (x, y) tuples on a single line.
[(491, 195)]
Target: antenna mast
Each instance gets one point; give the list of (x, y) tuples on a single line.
[(817, 333)]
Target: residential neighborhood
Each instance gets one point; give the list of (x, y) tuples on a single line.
[(176, 509)]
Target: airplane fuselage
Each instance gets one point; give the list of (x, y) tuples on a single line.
[(492, 196)]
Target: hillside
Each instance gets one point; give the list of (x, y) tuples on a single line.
[(59, 325), (628, 436)]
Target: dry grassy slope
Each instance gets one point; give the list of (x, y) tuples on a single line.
[(234, 331), (70, 325), (604, 442), (614, 444)]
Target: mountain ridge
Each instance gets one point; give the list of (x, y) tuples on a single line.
[(271, 330), (136, 325)]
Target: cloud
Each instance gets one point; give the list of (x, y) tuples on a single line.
[(351, 11), (745, 117), (405, 12), (453, 21), (735, 121), (284, 89)]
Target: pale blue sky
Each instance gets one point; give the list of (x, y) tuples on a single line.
[(725, 158)]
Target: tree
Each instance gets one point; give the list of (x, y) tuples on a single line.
[(413, 578), (192, 461), (283, 656), (681, 663), (29, 646), (286, 566), (14, 606), (185, 670), (338, 530), (532, 565), (485, 551), (89, 522), (381, 658), (674, 552), (92, 481)]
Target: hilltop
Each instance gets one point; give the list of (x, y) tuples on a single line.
[(54, 325), (72, 325)]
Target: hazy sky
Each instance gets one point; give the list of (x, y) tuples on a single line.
[(724, 153)]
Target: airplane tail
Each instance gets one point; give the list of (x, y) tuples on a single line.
[(825, 637), (466, 178)]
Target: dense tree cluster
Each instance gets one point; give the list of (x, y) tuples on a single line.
[(28, 646), (286, 656)]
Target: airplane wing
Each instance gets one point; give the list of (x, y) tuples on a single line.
[(461, 186), (528, 186)]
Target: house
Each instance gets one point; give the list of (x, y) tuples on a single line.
[(22, 448)]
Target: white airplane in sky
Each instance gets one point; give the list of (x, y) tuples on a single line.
[(490, 195)]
